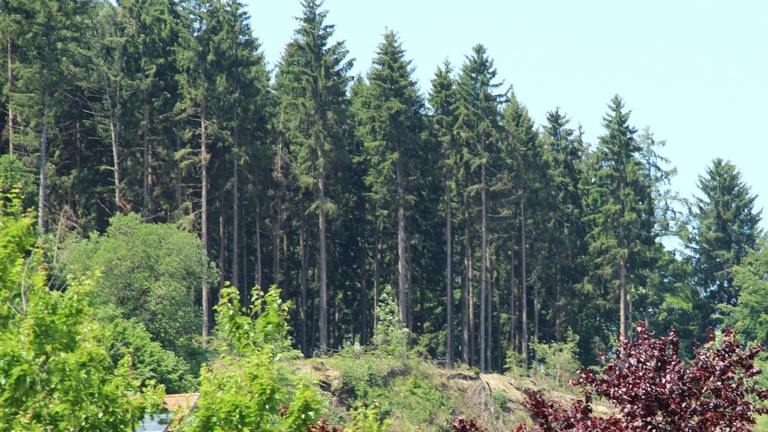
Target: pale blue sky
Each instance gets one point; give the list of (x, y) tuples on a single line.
[(695, 72)]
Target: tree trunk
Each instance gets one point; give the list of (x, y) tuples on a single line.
[(559, 303), (472, 333), (278, 209), (222, 257), (376, 275), (179, 193), (235, 207), (465, 299), (512, 308), (448, 267), (401, 267), (623, 298), (363, 294), (10, 95), (258, 245), (489, 311), (523, 277), (483, 271), (204, 209), (43, 163), (145, 142), (323, 325), (536, 286), (114, 128), (304, 285)]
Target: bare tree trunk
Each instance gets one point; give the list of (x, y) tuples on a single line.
[(448, 267), (304, 284), (323, 326), (258, 245), (536, 286), (10, 94), (623, 298), (276, 240), (145, 141), (489, 310), (472, 332), (376, 275), (559, 303), (483, 270), (523, 276), (401, 267), (363, 294), (114, 128), (512, 308), (43, 163), (235, 207), (179, 193), (465, 299), (222, 257), (244, 267), (204, 209)]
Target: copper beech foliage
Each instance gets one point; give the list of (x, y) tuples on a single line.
[(654, 390)]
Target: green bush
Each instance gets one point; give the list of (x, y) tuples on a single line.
[(150, 273), (55, 372), (245, 388), (558, 361)]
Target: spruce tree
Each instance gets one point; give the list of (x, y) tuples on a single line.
[(392, 125), (313, 78), (621, 215), (726, 227), (51, 44), (442, 99), (478, 104)]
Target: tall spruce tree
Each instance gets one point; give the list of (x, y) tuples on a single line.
[(520, 149), (562, 218), (726, 227), (478, 104), (442, 99), (197, 85), (621, 215), (391, 118), (313, 77), (51, 42)]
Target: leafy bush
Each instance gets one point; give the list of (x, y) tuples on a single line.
[(249, 386), (151, 362), (55, 373), (558, 361), (654, 389), (390, 335), (150, 273)]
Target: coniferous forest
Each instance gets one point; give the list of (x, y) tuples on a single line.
[(157, 148)]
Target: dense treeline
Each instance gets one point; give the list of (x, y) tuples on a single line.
[(495, 233)]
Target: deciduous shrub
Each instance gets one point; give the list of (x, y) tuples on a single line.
[(654, 390)]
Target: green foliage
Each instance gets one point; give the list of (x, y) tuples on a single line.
[(500, 400), (149, 273), (387, 377), (558, 361), (151, 362), (726, 228), (367, 418), (15, 177), (750, 316), (513, 364), (390, 335), (245, 388), (55, 373)]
